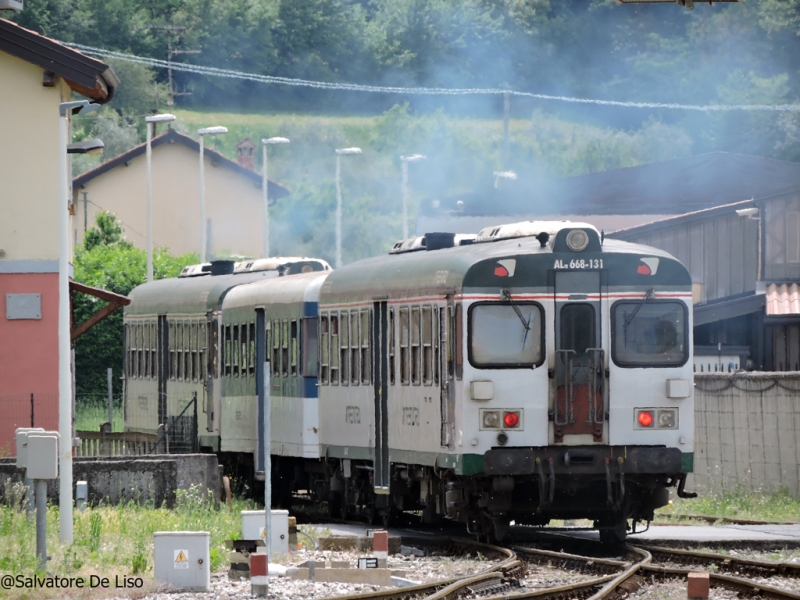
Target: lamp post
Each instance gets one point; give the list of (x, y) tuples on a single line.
[(265, 191), (204, 132), (151, 123), (498, 175), (404, 160), (66, 109), (339, 153)]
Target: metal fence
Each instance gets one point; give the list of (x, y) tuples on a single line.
[(142, 425)]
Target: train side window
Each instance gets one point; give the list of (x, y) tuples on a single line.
[(355, 348), (324, 349), (179, 350), (427, 345), (228, 351), (344, 348), (132, 350), (210, 351), (309, 347), (366, 358), (237, 348), (187, 356), (195, 350), (251, 366), (276, 348), (334, 352), (126, 350), (437, 332), (391, 347), (173, 359), (404, 346), (154, 362), (146, 350), (459, 342), (285, 348), (293, 349), (415, 345)]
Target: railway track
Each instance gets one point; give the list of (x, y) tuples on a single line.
[(609, 578)]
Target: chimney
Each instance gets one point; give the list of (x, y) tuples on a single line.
[(245, 153)]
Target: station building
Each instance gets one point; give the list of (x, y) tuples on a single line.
[(37, 74)]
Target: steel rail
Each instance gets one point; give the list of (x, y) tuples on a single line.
[(430, 590), (571, 561), (728, 564), (736, 584)]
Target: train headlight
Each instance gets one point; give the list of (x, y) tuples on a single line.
[(655, 418), (577, 240), (491, 419), (645, 418)]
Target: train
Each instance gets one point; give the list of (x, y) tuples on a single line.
[(532, 371)]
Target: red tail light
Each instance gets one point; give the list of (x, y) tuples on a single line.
[(645, 418), (511, 419)]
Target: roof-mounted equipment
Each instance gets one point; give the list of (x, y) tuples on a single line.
[(432, 241), (537, 229)]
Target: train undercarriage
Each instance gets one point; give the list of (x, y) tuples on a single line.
[(523, 486)]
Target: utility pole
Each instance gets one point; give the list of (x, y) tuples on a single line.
[(171, 29)]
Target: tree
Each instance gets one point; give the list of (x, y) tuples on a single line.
[(107, 260)]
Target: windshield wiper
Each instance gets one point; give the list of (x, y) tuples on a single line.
[(647, 295), (504, 293)]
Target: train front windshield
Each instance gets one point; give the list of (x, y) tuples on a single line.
[(649, 333), (505, 335)]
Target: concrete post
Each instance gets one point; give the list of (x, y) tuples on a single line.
[(259, 583)]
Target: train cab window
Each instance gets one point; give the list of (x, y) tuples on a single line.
[(649, 334), (309, 347), (366, 359), (391, 347), (577, 328), (415, 345), (293, 349), (334, 350), (355, 348), (228, 351), (324, 349), (458, 341), (276, 348), (427, 345), (501, 337), (404, 346), (344, 347)]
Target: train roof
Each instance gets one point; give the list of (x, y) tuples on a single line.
[(188, 295), (283, 290), (442, 271)]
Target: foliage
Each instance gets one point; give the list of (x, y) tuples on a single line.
[(107, 260), (111, 540)]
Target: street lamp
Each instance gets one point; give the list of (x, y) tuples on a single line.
[(204, 132), (339, 153), (404, 160), (65, 110), (154, 119), (264, 190), (498, 175)]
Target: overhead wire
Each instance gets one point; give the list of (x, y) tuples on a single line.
[(429, 91)]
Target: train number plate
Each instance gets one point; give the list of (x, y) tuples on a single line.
[(579, 263)]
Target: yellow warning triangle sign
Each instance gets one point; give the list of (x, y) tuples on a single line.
[(263, 532), (181, 557)]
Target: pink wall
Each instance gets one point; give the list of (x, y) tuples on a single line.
[(28, 358)]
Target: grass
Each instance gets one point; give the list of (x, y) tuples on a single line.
[(110, 540), (91, 413), (777, 507)]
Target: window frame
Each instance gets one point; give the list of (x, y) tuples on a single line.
[(324, 351), (650, 365), (542, 346), (365, 328), (404, 313)]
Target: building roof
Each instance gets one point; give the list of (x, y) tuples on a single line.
[(87, 76), (669, 187), (276, 190), (783, 300)]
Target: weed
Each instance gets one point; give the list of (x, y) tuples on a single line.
[(95, 528), (139, 560), (778, 506)]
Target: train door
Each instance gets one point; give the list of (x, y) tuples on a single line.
[(262, 386), (578, 402), (381, 391), (212, 371), (447, 359)]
